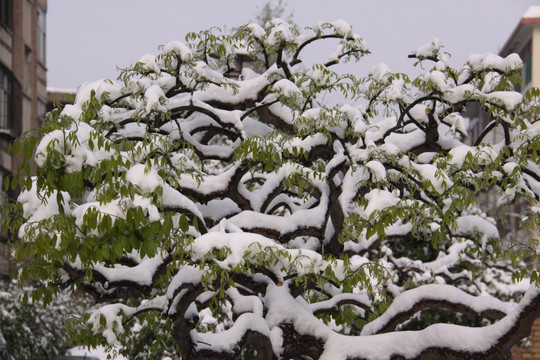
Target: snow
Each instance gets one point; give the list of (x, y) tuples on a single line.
[(474, 223), (460, 92), (437, 178), (378, 169), (154, 96), (113, 321), (132, 130), (280, 32), (379, 72), (409, 344), (148, 63), (287, 88), (218, 209), (342, 28), (141, 273), (221, 341), (443, 293), (479, 62), (186, 275), (378, 200), (255, 128), (362, 299), (438, 79), (243, 304), (75, 144), (510, 99), (40, 206), (429, 49), (178, 48), (98, 352), (102, 88), (396, 91), (408, 141), (256, 30), (206, 72), (147, 179), (72, 111), (532, 12)]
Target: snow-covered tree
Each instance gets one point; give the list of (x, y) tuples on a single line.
[(218, 217), (30, 331)]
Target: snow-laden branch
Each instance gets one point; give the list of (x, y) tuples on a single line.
[(436, 296)]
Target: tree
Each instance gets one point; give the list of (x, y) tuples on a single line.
[(29, 330), (271, 10), (218, 218)]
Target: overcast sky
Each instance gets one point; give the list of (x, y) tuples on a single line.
[(88, 39)]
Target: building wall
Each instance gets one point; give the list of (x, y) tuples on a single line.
[(535, 56), (22, 61), (527, 31), (532, 350)]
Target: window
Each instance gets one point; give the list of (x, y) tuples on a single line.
[(27, 70), (6, 13), (526, 74), (41, 35), (526, 57), (527, 69), (5, 100), (41, 111)]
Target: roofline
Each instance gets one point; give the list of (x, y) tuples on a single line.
[(522, 22), (530, 20)]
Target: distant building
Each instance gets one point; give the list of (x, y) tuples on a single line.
[(23, 80), (525, 41), (59, 96)]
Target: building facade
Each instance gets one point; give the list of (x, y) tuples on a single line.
[(23, 81), (525, 41)]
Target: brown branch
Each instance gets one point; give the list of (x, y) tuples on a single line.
[(295, 59)]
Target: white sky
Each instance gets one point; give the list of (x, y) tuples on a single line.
[(88, 39)]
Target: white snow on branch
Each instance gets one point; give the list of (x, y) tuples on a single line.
[(447, 293)]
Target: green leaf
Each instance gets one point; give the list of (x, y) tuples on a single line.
[(184, 224)]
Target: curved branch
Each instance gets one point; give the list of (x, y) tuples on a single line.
[(332, 304), (295, 59), (283, 65), (336, 61), (256, 108), (491, 342), (486, 131), (445, 296), (202, 111), (228, 344)]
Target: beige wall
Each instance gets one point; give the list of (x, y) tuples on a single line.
[(536, 56)]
